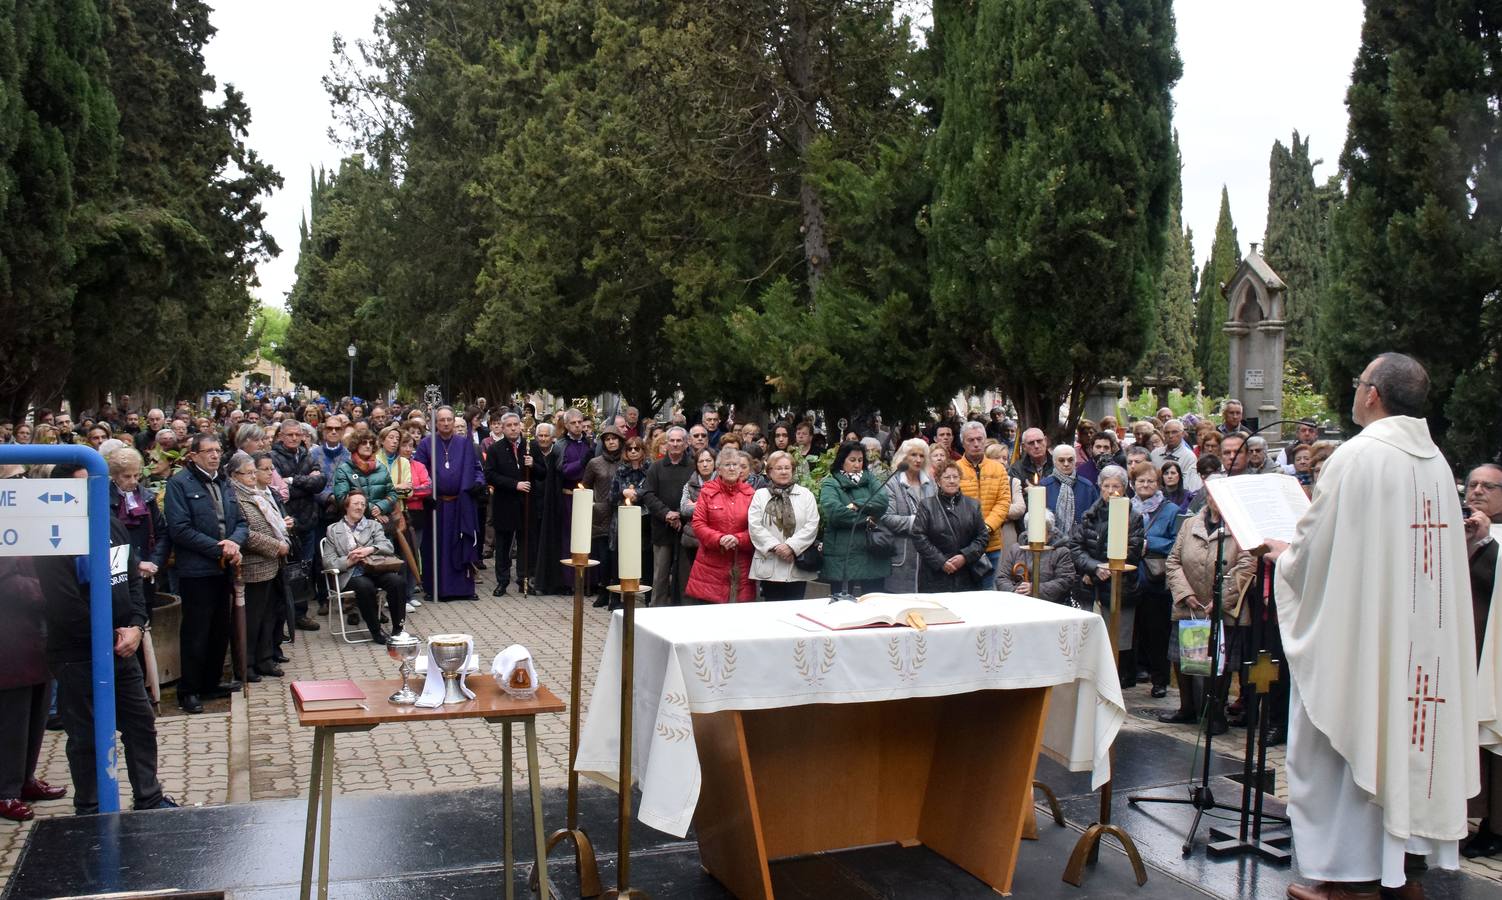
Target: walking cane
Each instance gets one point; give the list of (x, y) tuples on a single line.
[(237, 598)]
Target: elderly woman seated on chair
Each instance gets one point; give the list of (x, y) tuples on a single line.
[(365, 560)]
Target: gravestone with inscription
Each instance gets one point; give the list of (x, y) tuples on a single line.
[(1256, 329)]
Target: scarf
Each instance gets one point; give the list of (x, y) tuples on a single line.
[(362, 466), (1063, 512), (779, 512), (133, 509), (267, 509), (1145, 508)]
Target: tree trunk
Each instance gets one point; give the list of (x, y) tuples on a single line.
[(803, 41)]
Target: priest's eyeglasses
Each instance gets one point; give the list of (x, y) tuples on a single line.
[(1356, 383)]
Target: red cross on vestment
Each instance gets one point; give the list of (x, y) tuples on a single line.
[(1428, 529)]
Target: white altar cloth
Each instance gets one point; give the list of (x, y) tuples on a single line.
[(705, 659)]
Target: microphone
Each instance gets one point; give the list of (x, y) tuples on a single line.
[(859, 513)]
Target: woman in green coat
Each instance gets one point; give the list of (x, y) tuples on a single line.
[(364, 471), (850, 495)]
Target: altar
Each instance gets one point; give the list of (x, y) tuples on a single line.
[(775, 737)]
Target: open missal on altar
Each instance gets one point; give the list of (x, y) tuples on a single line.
[(1257, 508), (312, 696), (882, 610)]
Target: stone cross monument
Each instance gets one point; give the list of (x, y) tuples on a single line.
[(1255, 329)]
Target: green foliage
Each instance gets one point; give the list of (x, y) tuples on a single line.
[(58, 152), (1297, 245), (129, 211), (1417, 244), (268, 332), (1171, 347), (1147, 404), (1054, 173), (1301, 400), (1212, 344)]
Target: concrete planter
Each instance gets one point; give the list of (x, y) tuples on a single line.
[(166, 627)]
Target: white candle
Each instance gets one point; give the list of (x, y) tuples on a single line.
[(583, 521), (1037, 515), (628, 539), (1116, 536)]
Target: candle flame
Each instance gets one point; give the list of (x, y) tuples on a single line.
[(581, 485), (628, 501)]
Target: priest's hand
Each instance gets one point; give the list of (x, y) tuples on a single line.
[(1270, 550)]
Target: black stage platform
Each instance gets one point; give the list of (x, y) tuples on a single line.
[(430, 846)]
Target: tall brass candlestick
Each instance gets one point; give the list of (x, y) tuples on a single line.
[(584, 851), (1037, 550), (1087, 850), (628, 589)]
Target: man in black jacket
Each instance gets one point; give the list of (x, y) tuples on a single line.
[(661, 495), (304, 483), (509, 470), (65, 589)]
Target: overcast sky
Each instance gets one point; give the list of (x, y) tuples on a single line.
[(1254, 70)]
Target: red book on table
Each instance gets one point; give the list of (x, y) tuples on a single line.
[(338, 694)]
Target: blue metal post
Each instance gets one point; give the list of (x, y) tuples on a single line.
[(101, 610)]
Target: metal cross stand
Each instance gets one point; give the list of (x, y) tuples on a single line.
[(1087, 850)]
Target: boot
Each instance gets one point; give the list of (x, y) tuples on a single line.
[(1188, 701)]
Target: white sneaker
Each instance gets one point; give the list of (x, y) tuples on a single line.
[(411, 607), (414, 603)]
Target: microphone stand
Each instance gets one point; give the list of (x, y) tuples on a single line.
[(850, 537), (1200, 796)]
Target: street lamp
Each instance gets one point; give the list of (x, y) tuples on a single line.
[(352, 353), (272, 360)]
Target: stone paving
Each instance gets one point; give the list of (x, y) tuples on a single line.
[(434, 756)]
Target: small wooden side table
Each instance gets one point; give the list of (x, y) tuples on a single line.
[(490, 703)]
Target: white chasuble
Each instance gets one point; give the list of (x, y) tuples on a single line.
[(1374, 605)]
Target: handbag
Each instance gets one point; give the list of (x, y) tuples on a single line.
[(1156, 567), (299, 581), (380, 564), (880, 540), (981, 567), (812, 559), (1194, 647)]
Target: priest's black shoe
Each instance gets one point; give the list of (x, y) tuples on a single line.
[(500, 591), (253, 676), (281, 659), (270, 671), (1178, 717), (223, 690), (1482, 843), (190, 703), (1159, 691), (1276, 736)]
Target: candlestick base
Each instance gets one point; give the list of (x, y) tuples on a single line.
[(1119, 565), (1037, 546), (580, 561), (627, 589)]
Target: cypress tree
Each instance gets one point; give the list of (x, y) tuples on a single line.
[(58, 152), (1212, 345), (1054, 170), (1417, 244), (1296, 245), (1173, 326)]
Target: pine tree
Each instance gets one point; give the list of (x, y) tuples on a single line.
[(1212, 345), (1417, 244), (1296, 245), (1054, 170)]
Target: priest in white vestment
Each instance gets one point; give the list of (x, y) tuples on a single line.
[(1484, 532), (1374, 607)]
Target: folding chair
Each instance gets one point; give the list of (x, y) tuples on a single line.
[(337, 622)]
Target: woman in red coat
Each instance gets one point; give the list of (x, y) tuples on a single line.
[(721, 523)]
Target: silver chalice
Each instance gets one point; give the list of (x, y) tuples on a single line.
[(404, 648)]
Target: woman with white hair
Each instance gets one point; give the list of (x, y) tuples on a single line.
[(905, 492), (1093, 588), (783, 522)]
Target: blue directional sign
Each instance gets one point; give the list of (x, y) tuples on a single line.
[(43, 517)]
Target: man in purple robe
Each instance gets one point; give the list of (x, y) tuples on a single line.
[(458, 483)]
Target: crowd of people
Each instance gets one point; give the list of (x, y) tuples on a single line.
[(265, 496)]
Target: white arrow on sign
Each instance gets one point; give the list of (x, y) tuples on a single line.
[(51, 498), (43, 537)]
